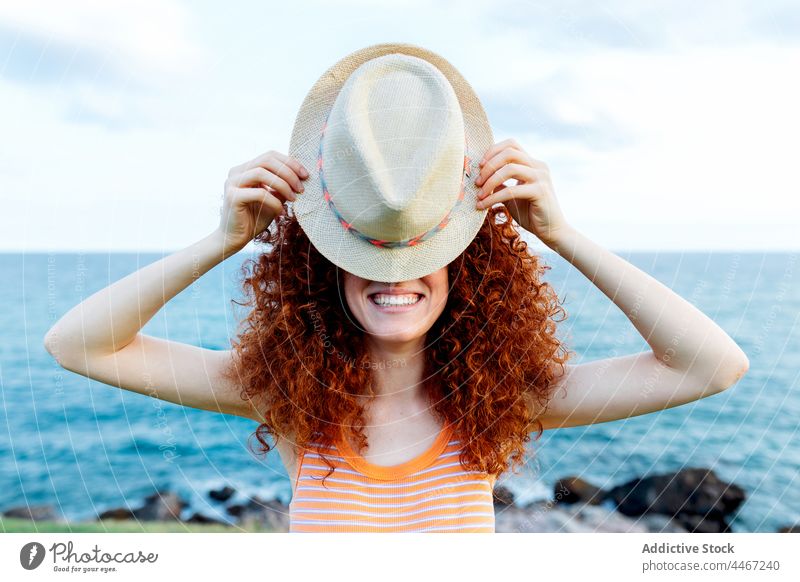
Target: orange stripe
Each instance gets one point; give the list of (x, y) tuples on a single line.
[(444, 478)]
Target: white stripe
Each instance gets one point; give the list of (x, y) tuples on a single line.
[(445, 455), (392, 495), (319, 446), (297, 499), (482, 504), (326, 468), (356, 523), (377, 485), (316, 456)]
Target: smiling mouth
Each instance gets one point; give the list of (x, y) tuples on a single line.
[(386, 300)]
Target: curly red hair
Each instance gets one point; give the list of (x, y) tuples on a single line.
[(491, 361)]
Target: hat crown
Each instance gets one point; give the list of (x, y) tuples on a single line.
[(393, 147)]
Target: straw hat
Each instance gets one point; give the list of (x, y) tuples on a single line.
[(391, 135)]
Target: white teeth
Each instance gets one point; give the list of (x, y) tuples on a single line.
[(382, 299)]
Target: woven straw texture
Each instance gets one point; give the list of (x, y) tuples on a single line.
[(361, 257)]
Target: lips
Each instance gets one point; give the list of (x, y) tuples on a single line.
[(396, 301)]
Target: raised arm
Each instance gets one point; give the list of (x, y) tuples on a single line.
[(100, 338), (691, 357)]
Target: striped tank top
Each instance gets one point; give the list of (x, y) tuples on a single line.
[(430, 493)]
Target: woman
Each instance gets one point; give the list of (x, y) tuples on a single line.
[(394, 402)]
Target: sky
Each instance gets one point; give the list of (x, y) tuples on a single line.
[(667, 125)]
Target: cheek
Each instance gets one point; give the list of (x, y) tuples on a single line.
[(353, 304), (351, 290), (435, 304), (439, 302), (438, 283)]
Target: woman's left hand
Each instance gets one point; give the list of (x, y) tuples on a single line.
[(531, 201)]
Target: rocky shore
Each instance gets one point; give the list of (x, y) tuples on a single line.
[(690, 500)]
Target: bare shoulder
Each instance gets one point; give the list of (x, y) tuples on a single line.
[(231, 389), (289, 455)]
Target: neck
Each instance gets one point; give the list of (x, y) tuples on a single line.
[(397, 369)]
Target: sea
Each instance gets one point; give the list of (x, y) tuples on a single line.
[(83, 446)]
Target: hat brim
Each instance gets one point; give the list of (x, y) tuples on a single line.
[(348, 251)]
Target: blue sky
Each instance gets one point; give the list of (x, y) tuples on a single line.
[(666, 125)]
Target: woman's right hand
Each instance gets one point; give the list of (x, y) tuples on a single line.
[(254, 195)]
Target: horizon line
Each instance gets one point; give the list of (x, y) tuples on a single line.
[(536, 248)]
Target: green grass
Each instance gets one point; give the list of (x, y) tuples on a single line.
[(13, 525)]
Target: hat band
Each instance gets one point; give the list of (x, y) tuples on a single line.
[(388, 244)]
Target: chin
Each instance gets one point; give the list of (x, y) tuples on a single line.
[(395, 335), (398, 320), (395, 313)]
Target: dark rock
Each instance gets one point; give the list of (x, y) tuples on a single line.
[(119, 513), (576, 490), (547, 517), (33, 512), (222, 494), (696, 498), (161, 506), (200, 518), (236, 510), (790, 529), (266, 515), (502, 496)]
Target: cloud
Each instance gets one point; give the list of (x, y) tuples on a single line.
[(101, 62), (545, 116), (660, 25), (62, 42), (701, 135), (642, 143), (39, 60)]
